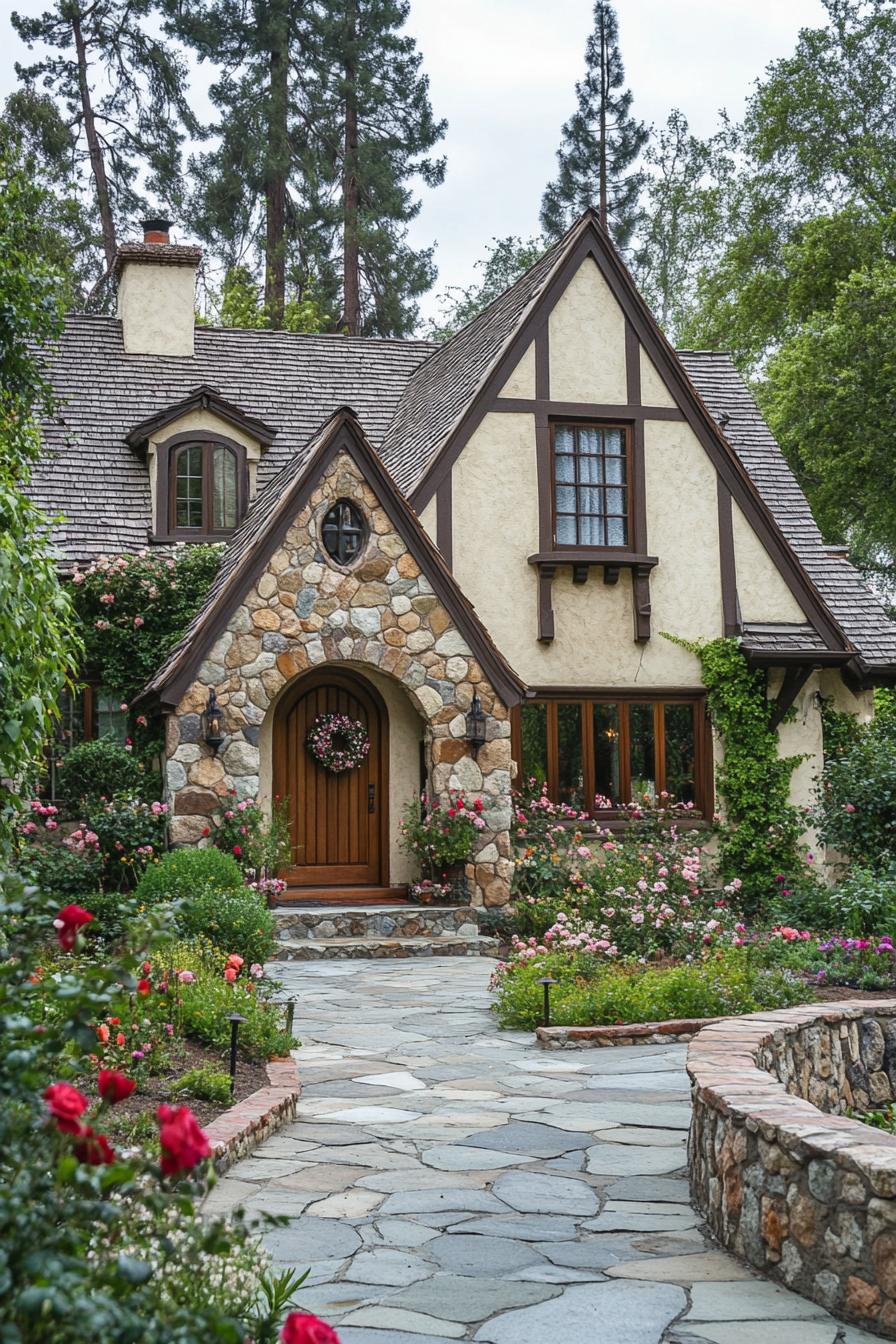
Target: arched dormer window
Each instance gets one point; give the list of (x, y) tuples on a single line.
[(206, 487)]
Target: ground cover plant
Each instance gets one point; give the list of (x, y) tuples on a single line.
[(99, 1242)]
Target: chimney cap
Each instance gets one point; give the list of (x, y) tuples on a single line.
[(156, 229)]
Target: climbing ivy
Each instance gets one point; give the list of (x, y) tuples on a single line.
[(759, 838)]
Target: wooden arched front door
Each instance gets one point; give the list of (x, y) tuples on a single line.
[(337, 822)]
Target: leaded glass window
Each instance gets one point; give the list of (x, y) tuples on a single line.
[(344, 531)]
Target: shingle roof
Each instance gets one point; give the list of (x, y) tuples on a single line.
[(293, 382), (441, 389), (773, 639), (854, 606), (409, 396)]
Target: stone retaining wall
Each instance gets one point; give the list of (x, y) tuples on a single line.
[(784, 1178), (670, 1032), (410, 921)]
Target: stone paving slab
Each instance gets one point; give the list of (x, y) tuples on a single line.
[(447, 1181)]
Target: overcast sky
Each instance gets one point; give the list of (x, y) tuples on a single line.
[(503, 73)]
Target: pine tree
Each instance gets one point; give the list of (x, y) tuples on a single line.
[(123, 92), (251, 197), (601, 141), (374, 126)]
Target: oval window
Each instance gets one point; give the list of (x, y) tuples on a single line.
[(344, 531)]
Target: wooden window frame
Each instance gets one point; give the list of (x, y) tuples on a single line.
[(659, 697), (166, 486), (630, 486)]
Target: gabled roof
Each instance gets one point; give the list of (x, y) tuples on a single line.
[(291, 382), (202, 398), (859, 612), (258, 536), (420, 443)]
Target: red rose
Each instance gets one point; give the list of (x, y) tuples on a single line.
[(143, 986), (300, 1328), (94, 1149), (67, 923), (66, 1105), (114, 1086), (237, 850), (183, 1142), (205, 832)]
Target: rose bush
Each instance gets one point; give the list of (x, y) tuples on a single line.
[(98, 1244), (438, 836)]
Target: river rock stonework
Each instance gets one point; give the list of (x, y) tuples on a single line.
[(304, 611), (784, 1178)]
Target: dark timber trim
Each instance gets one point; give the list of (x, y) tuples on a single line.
[(202, 398), (794, 680), (586, 410), (632, 365), (586, 240), (445, 522), (342, 433), (727, 562)]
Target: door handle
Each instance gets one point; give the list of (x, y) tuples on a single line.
[(371, 797)]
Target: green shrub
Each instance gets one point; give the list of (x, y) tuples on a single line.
[(206, 1003), (864, 903), (236, 921), (206, 1083), (592, 994), (70, 877), (184, 873), (856, 812), (99, 769)]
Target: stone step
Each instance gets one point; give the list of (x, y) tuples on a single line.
[(295, 923), (352, 949)]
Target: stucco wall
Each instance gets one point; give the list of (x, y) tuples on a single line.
[(428, 519), (764, 596), (495, 494), (521, 382), (653, 390), (586, 332), (156, 307)]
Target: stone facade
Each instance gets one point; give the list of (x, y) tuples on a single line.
[(784, 1178), (304, 611)]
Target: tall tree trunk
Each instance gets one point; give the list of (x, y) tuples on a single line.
[(97, 163), (351, 277), (276, 173), (604, 95)]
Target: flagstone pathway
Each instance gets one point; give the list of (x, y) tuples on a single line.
[(446, 1180)]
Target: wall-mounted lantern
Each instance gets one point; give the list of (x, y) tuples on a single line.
[(213, 722), (476, 726)]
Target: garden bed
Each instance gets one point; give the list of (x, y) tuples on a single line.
[(162, 1087)]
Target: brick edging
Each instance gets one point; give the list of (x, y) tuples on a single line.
[(240, 1130), (631, 1033)]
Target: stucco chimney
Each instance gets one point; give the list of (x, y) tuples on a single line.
[(157, 292)]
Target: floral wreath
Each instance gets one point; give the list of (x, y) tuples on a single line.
[(337, 742)]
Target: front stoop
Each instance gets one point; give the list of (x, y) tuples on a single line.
[(313, 933)]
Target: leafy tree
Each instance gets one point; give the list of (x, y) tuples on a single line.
[(242, 305), (37, 646), (133, 124), (601, 142), (683, 221), (830, 398), (505, 261)]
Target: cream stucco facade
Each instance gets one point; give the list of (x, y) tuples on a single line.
[(156, 305)]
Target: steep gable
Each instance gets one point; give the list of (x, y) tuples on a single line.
[(263, 532)]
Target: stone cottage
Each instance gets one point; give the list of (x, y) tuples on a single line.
[(469, 552)]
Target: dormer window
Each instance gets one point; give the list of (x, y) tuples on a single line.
[(204, 488), (591, 485)]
